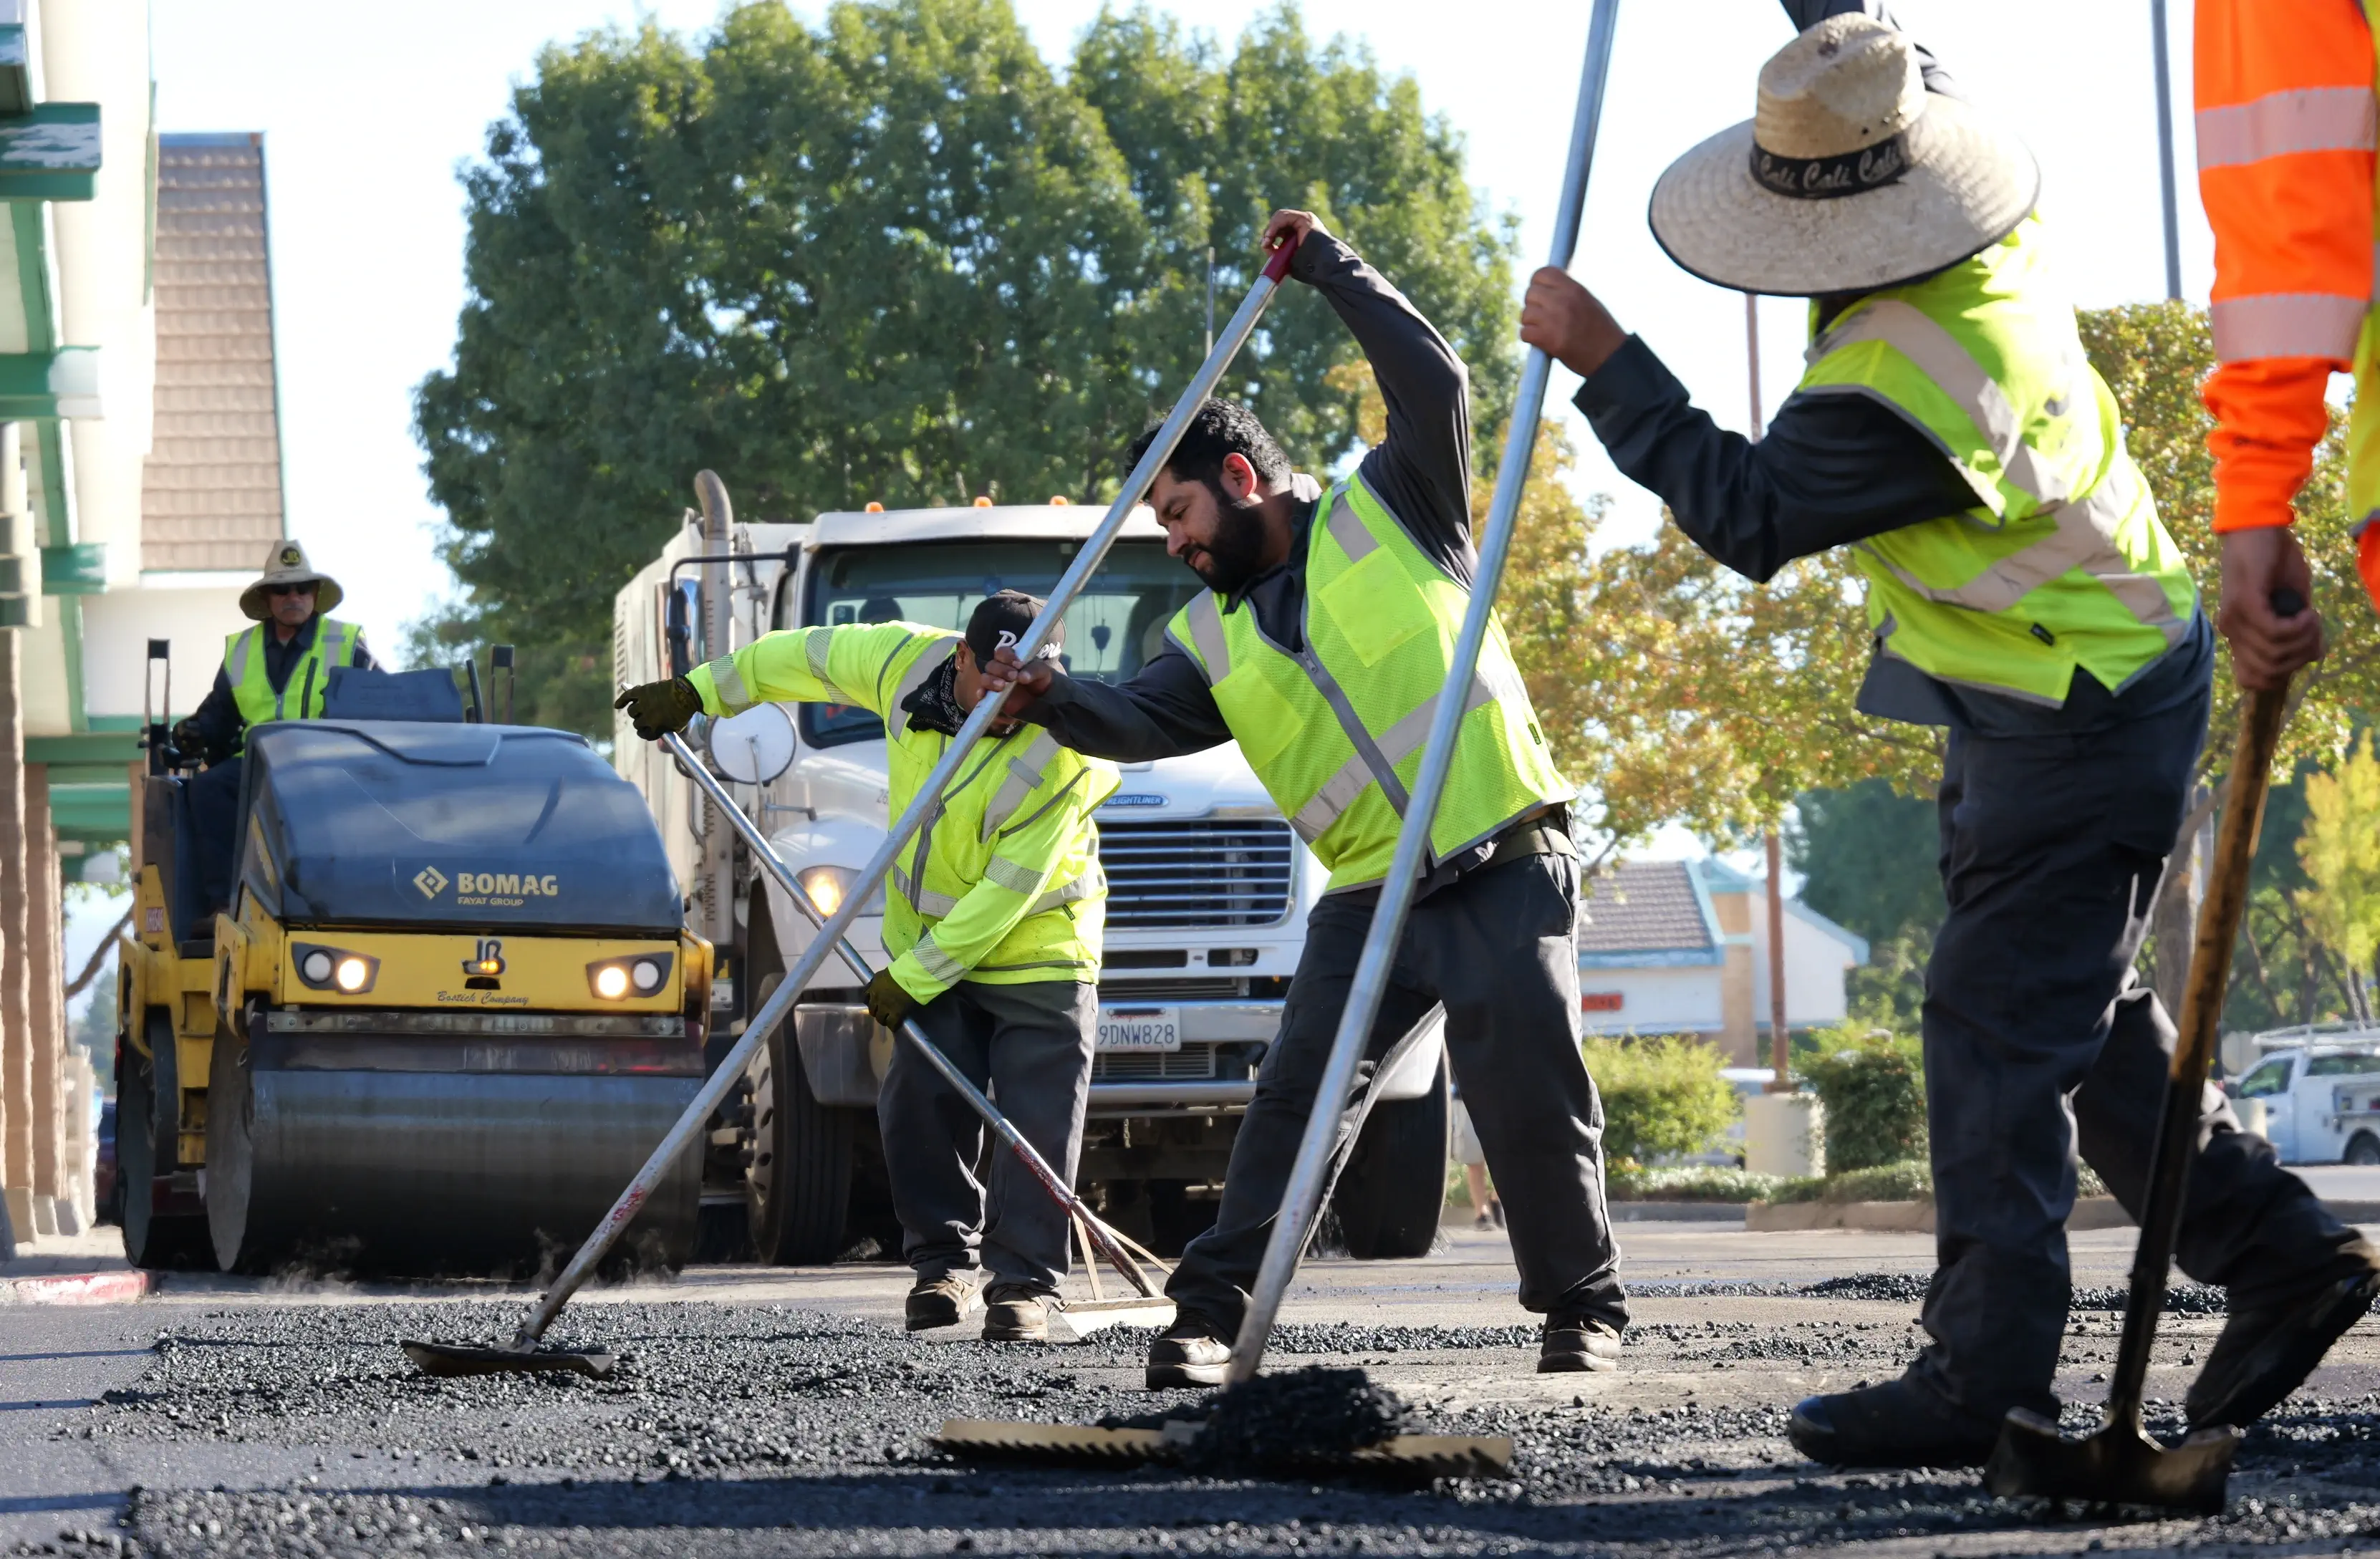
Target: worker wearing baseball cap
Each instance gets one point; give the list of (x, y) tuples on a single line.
[(2021, 592), (993, 917)]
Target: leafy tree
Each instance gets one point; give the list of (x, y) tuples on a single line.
[(1867, 856), (895, 258), (2340, 851)]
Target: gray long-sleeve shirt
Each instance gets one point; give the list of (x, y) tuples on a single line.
[(1421, 471)]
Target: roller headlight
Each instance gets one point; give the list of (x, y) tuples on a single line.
[(333, 970), (636, 974)]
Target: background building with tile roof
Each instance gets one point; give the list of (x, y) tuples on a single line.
[(1682, 947)]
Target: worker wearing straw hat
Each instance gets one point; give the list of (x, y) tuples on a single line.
[(2022, 593), (277, 668)]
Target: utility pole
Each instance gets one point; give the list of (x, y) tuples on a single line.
[(2164, 152), (1780, 1041)]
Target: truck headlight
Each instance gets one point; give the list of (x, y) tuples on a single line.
[(827, 886), (618, 979)]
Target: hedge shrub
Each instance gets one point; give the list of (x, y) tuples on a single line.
[(1661, 1097), (1874, 1089)]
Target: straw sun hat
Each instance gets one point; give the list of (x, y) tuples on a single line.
[(1848, 177), (286, 564)]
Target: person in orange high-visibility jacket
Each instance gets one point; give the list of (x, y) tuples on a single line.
[(2286, 128)]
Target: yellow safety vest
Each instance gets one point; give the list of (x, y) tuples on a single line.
[(2062, 561), (1002, 885), (1335, 731), (253, 691)]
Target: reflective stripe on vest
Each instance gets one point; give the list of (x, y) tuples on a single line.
[(1025, 775), (733, 697), (1327, 726)]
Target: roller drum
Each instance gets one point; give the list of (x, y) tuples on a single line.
[(398, 1166)]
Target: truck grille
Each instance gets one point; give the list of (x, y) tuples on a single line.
[(1210, 872), (1118, 992), (1191, 1062)]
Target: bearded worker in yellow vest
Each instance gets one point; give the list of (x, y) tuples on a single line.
[(992, 916), (1321, 646), (279, 668), (2024, 594)]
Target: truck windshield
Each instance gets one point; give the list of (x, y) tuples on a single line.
[(2267, 1080), (1113, 627)]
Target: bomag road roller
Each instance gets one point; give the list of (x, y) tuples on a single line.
[(449, 1007)]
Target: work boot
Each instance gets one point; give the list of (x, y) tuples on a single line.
[(1015, 1313), (2267, 1351), (1888, 1425), (1575, 1341), (1193, 1351), (938, 1301)]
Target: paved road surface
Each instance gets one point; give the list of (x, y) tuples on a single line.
[(782, 1412)]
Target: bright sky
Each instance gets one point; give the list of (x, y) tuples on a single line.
[(364, 125)]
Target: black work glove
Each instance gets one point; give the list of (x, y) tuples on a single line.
[(189, 741), (658, 707), (889, 1002)]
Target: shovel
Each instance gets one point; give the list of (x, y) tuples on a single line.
[(523, 1353), (1152, 1307), (2121, 1464)]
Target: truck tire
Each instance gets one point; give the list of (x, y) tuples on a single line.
[(2362, 1150), (147, 1141), (1390, 1192), (798, 1189)]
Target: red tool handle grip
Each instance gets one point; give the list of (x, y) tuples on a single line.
[(1276, 270)]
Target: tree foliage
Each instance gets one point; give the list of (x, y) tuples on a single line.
[(2340, 851), (899, 257), (1873, 1086), (1662, 1098)]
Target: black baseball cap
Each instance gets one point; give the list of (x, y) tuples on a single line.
[(1004, 617)]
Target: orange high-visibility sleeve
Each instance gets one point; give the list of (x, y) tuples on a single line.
[(2285, 124)]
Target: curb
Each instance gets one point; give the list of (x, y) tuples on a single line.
[(76, 1288), (1678, 1212), (1900, 1217)]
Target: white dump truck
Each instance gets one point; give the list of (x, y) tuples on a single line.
[(1208, 888)]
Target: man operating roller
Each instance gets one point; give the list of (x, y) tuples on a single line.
[(1321, 646), (2022, 593), (993, 915)]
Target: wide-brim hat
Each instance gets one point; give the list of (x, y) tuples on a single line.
[(1850, 177), (286, 564)]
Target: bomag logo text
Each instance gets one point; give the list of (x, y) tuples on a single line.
[(509, 885)]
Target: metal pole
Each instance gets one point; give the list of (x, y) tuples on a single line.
[(1210, 299), (838, 925), (2164, 152), (1779, 1044), (762, 851), (1304, 1193)]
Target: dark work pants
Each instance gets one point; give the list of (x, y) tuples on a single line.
[(1030, 1047), (2038, 1041), (1494, 947)]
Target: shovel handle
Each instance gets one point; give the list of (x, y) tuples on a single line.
[(2262, 711)]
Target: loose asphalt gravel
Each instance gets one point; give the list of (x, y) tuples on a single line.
[(761, 1429)]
